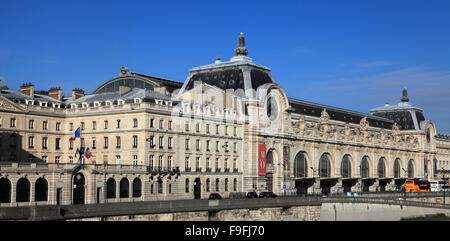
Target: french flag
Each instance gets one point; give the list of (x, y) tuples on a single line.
[(75, 134), (88, 153)]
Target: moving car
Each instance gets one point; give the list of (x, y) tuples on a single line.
[(267, 195), (215, 196), (252, 195)]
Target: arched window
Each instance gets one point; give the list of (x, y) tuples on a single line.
[(41, 190), (186, 187), (324, 166), (124, 188), (137, 186), (5, 190), (381, 167), (365, 169), (411, 168), (397, 167), (346, 167), (111, 188), (23, 190), (300, 165)]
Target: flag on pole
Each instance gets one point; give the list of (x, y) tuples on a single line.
[(75, 134), (81, 160), (88, 153)]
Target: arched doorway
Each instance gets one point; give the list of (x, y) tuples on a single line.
[(78, 188), (346, 173), (5, 190), (269, 175), (301, 173), (23, 190), (197, 188), (365, 173), (111, 188), (325, 173), (382, 174), (41, 190), (137, 187), (124, 188)]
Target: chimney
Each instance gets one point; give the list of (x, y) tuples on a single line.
[(27, 89), (77, 93), (55, 93), (123, 89)]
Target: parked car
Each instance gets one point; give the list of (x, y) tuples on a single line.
[(252, 195), (213, 196), (267, 194)]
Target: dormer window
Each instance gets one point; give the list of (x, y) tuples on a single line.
[(43, 103), (73, 106), (120, 102), (137, 100), (29, 102), (96, 104), (108, 103), (56, 105), (85, 105)]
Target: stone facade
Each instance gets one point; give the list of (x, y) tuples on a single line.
[(156, 139)]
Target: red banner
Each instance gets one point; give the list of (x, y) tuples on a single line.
[(261, 159)]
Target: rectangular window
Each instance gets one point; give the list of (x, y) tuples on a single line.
[(161, 142), (208, 145), (160, 163), (135, 160), (57, 159), (234, 147), (118, 124), (169, 142), (94, 125), (44, 142), (45, 125), (94, 144), (70, 159), (197, 145), (31, 124), (197, 164), (12, 122), (135, 141), (161, 124), (150, 161), (105, 140), (225, 130), (235, 131), (187, 125), (135, 123), (44, 159), (118, 160), (152, 141), (207, 164), (70, 126), (197, 127), (217, 146), (207, 128), (58, 126), (82, 142), (217, 129), (82, 126), (186, 164), (169, 125), (70, 145), (118, 142), (58, 144), (31, 142), (106, 124), (152, 123), (169, 162), (187, 144)]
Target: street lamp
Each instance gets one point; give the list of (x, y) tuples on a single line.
[(404, 188), (312, 168)]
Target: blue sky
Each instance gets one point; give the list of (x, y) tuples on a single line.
[(349, 54)]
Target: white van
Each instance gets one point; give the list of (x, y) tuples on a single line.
[(434, 186)]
